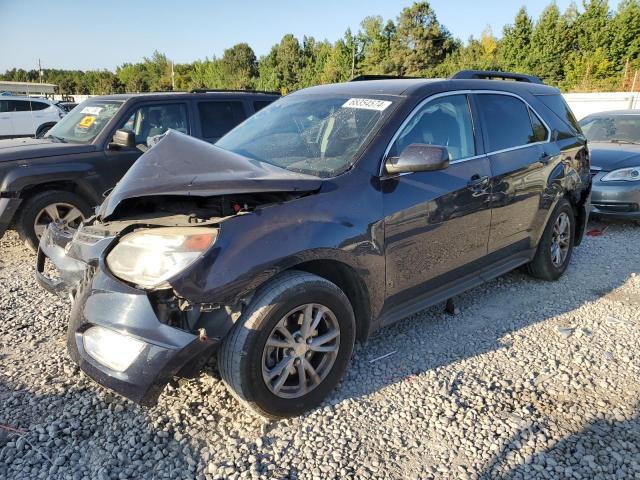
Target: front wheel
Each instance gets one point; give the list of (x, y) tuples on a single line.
[(290, 347), (556, 245)]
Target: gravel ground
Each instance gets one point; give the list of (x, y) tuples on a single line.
[(529, 380)]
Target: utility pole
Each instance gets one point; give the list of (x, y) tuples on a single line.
[(353, 60), (173, 77), (40, 74)]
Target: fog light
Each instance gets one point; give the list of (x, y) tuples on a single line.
[(110, 348)]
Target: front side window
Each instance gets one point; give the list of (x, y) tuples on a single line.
[(507, 122), (316, 134), (612, 128), (84, 122), (217, 118), (444, 121), (151, 120)]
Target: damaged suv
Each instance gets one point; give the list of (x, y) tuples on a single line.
[(330, 213)]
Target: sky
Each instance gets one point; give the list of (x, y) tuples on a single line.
[(104, 34)]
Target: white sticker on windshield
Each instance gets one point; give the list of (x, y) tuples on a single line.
[(91, 110), (366, 103)]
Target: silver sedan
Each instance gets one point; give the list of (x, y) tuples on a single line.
[(614, 146)]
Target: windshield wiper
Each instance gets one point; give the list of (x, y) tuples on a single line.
[(620, 140), (57, 139)]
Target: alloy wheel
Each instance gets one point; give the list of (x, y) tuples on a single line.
[(560, 240), (301, 350), (68, 215)]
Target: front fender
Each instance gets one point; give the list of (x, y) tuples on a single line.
[(26, 176), (252, 248)]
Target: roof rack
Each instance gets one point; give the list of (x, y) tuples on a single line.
[(361, 78), (491, 74), (222, 90)]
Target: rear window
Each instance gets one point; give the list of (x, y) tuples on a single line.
[(217, 118), (506, 122), (559, 107)]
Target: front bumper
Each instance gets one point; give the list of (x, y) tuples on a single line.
[(615, 199), (101, 299)]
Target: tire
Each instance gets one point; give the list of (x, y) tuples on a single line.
[(543, 266), (42, 129), (25, 224), (243, 355)]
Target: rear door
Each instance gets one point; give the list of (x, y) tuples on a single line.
[(519, 150), (21, 117), (217, 117), (436, 223)]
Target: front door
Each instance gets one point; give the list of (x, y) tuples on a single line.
[(436, 223), (146, 121)]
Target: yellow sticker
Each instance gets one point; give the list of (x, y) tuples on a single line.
[(86, 121)]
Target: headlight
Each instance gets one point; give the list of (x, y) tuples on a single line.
[(148, 258), (631, 174), (110, 348)]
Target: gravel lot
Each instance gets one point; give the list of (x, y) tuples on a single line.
[(529, 380)]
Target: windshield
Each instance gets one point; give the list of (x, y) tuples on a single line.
[(612, 128), (84, 122), (313, 134)]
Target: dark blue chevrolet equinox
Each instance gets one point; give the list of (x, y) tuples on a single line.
[(329, 214)]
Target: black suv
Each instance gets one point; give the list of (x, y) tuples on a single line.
[(62, 175), (329, 214)]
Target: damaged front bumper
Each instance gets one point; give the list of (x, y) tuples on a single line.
[(99, 299)]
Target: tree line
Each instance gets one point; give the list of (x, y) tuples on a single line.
[(581, 49)]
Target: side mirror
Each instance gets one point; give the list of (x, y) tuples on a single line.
[(419, 157), (123, 139)]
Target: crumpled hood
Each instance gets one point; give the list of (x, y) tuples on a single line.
[(27, 148), (183, 165), (612, 156)]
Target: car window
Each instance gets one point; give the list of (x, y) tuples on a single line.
[(260, 104), (18, 106), (506, 121), (540, 132), (4, 106), (85, 122), (217, 118), (612, 128), (39, 105), (151, 120), (316, 134), (444, 121), (559, 107)]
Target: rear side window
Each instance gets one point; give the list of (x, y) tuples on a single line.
[(540, 132), (18, 106), (39, 105), (217, 118), (506, 121), (559, 107), (260, 104)]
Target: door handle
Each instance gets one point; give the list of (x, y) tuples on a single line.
[(478, 182), (545, 158)]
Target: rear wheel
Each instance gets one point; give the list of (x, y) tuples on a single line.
[(556, 245), (53, 206), (291, 346)]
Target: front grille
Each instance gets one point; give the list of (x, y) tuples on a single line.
[(616, 207)]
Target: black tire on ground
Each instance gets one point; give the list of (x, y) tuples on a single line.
[(240, 359), (34, 205), (542, 265)]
